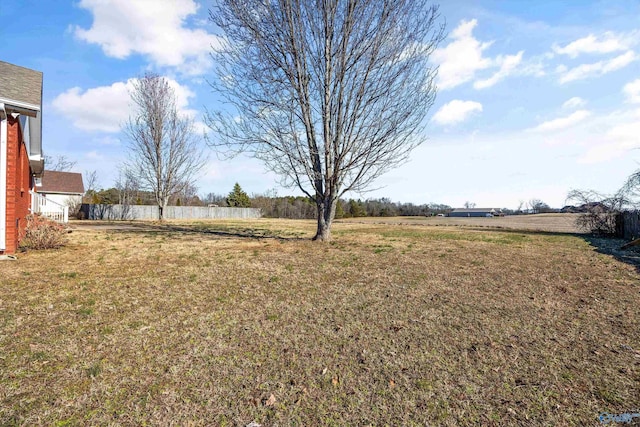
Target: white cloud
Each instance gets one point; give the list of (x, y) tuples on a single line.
[(462, 57), (574, 102), (456, 111), (562, 122), (617, 142), (102, 108), (607, 43), (107, 140), (106, 108), (595, 138), (632, 91), (507, 64), (94, 155), (155, 29), (596, 69)]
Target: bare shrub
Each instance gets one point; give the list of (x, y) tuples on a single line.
[(600, 211), (75, 208), (43, 233)]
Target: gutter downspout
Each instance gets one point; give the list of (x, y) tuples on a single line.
[(3, 177)]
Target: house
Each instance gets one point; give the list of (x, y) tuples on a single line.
[(63, 188), (21, 159), (475, 212)]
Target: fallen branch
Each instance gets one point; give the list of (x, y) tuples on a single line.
[(631, 243)]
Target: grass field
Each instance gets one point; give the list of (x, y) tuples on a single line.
[(228, 323), (557, 223)]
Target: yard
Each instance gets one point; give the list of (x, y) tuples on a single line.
[(557, 223), (233, 322)]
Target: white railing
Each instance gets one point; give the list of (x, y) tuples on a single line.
[(49, 208)]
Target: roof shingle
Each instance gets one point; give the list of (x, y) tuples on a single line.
[(61, 182), (20, 84)]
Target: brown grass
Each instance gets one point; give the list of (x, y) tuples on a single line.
[(207, 324), (557, 223)]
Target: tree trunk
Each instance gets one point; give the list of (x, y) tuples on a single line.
[(161, 207), (326, 212)]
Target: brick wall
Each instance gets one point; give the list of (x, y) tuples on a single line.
[(18, 184)]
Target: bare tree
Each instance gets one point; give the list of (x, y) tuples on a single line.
[(600, 210), (90, 179), (328, 94), (187, 196), (469, 205), (59, 163), (631, 190), (127, 187), (213, 199), (537, 206), (165, 154)]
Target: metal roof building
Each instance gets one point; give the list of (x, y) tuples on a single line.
[(475, 212)]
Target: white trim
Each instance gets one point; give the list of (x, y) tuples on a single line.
[(3, 177), (19, 104), (48, 208), (60, 193)]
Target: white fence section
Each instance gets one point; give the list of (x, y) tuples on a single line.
[(128, 212), (203, 212), (48, 208)]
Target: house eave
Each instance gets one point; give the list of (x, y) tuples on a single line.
[(13, 106), (36, 163), (62, 193), (32, 138)]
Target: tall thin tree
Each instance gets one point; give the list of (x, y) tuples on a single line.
[(329, 94), (165, 153)]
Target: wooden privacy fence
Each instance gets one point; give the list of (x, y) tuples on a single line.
[(127, 212), (628, 225)]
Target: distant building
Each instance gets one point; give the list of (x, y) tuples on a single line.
[(63, 188), (475, 212)]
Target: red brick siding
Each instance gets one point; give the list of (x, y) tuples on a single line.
[(18, 184)]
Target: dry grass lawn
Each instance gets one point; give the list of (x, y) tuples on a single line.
[(552, 222), (228, 323)]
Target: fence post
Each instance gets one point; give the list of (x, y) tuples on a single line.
[(628, 225), (620, 224)]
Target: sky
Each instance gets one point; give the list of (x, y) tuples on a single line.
[(535, 98)]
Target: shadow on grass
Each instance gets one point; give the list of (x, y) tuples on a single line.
[(248, 232), (611, 246), (604, 245), (209, 230)]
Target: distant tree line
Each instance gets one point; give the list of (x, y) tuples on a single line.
[(125, 191), (130, 195), (304, 208)]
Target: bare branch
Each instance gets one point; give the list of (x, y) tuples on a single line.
[(60, 163), (600, 210), (328, 94), (165, 155)]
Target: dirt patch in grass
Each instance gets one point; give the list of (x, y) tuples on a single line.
[(225, 323)]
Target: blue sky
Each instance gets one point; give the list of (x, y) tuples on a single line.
[(535, 97)]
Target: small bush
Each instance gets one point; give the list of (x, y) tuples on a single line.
[(42, 233), (598, 221), (600, 211)]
